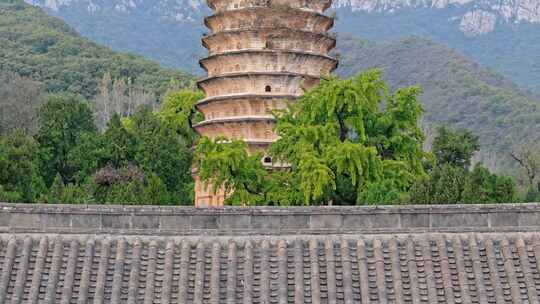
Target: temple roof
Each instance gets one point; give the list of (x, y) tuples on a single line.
[(114, 254)]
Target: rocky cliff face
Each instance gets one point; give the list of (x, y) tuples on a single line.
[(476, 17)]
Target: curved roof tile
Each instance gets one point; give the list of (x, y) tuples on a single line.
[(498, 263)]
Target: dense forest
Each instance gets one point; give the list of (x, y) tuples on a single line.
[(145, 159), (94, 126), (342, 147)]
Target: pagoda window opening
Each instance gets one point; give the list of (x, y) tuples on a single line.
[(267, 160), (268, 89)]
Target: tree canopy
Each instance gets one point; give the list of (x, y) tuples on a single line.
[(142, 160), (455, 148), (62, 120), (353, 142), (451, 180), (345, 141)]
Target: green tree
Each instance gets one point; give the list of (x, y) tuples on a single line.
[(161, 151), (76, 194), (455, 148), (60, 193), (19, 168), (10, 196), (448, 176), (86, 156), (118, 144), (226, 165), (485, 187), (337, 133), (451, 182), (179, 112), (155, 191), (161, 155), (62, 121), (56, 190), (444, 185), (92, 151), (340, 130)]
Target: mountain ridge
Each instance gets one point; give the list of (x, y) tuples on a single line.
[(501, 34), (479, 16)]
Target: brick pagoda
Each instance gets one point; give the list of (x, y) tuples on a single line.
[(262, 55)]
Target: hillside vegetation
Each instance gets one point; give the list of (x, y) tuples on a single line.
[(169, 31), (45, 49), (512, 49), (457, 91)]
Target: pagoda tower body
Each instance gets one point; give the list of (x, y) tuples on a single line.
[(263, 54)]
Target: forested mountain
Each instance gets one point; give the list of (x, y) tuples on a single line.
[(457, 91), (502, 34), (510, 47), (47, 50)]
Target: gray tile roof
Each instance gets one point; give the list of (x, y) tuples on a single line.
[(72, 254), (405, 268)]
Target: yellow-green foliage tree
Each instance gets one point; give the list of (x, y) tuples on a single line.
[(179, 113), (346, 141)]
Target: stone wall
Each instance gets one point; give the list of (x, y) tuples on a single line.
[(174, 221)]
